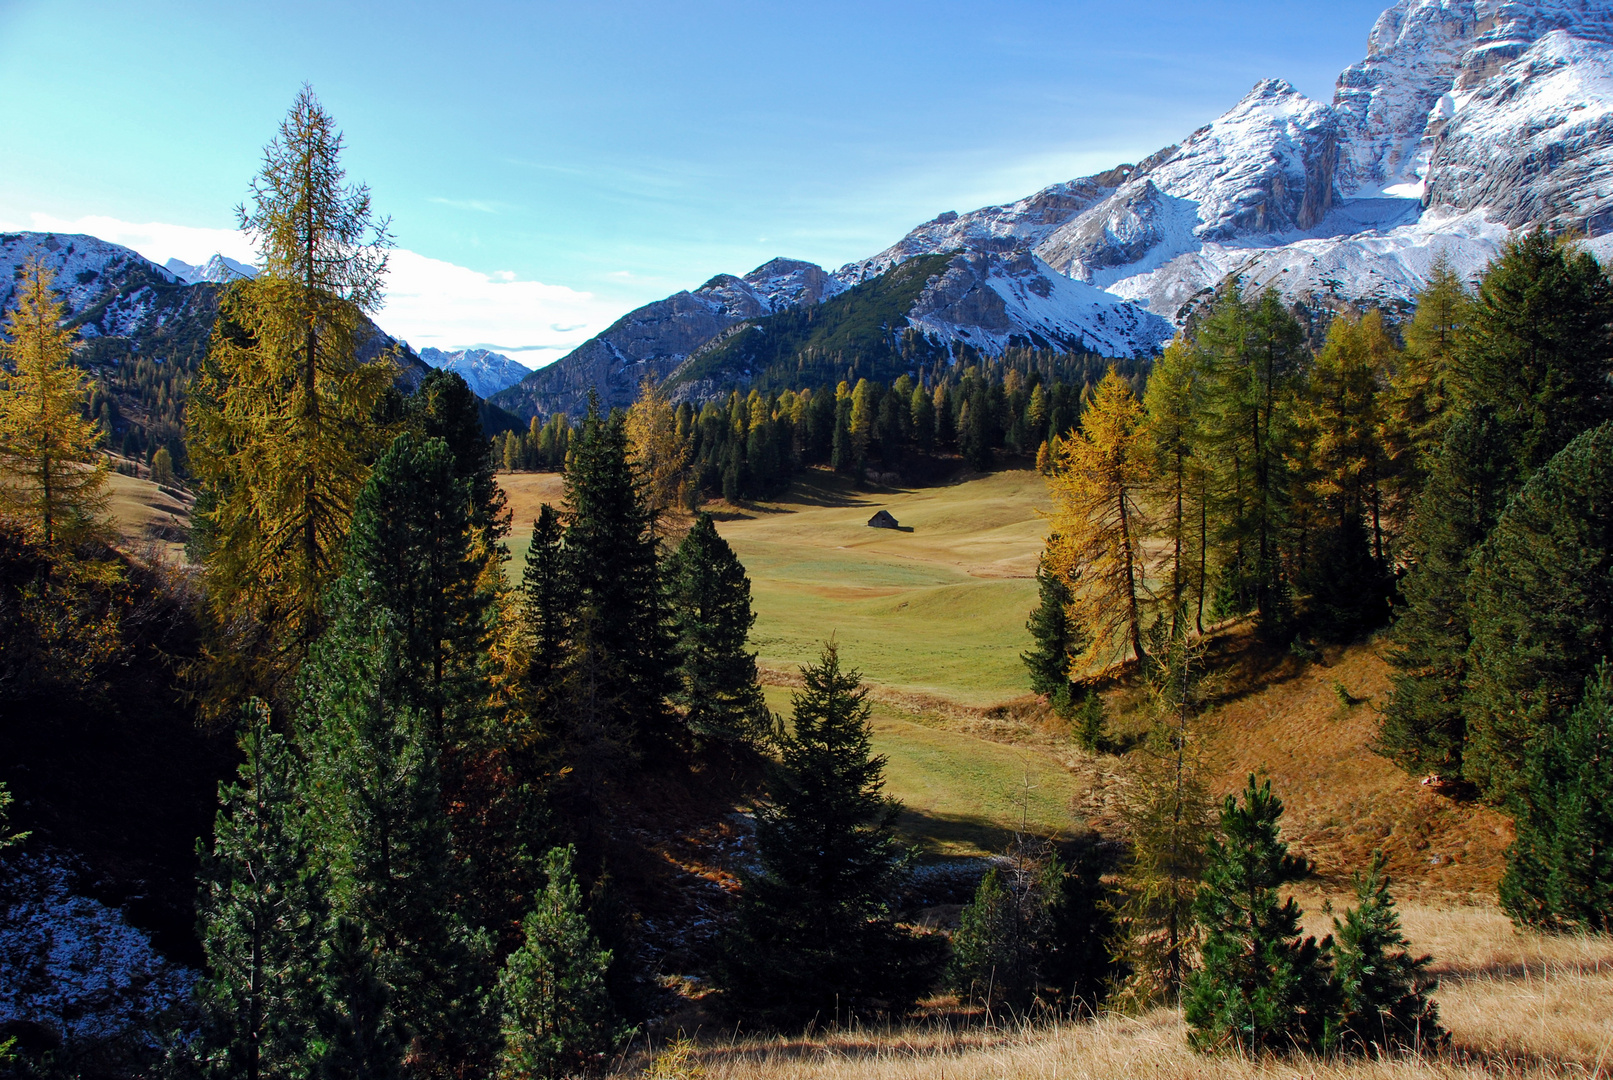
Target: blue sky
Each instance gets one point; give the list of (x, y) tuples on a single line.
[(549, 166)]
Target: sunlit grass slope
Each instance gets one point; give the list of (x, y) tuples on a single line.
[(938, 610), (963, 795)]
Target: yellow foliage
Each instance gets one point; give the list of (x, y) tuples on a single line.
[(1099, 523), (52, 478), (654, 446)]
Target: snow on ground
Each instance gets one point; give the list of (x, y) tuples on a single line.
[(73, 965)]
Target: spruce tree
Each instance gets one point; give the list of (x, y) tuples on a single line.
[(1382, 990), (1262, 988), (1542, 609), (1425, 720), (557, 1009), (263, 908), (50, 475), (1537, 343), (621, 665), (1560, 868), (285, 417), (712, 617), (814, 935)]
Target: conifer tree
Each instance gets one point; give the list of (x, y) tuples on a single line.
[(1536, 345), (1425, 720), (1560, 869), (377, 793), (556, 1007), (1382, 989), (443, 407), (1099, 522), (7, 837), (1168, 821), (358, 1028), (1262, 987), (1418, 406), (1172, 402), (411, 553), (284, 417), (545, 612), (1252, 354), (712, 617), (655, 449), (50, 477), (814, 934), (263, 907), (621, 665), (1057, 641), (1339, 428), (1542, 610), (1000, 933)]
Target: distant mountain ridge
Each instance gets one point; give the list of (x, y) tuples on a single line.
[(485, 372), (219, 269), (1467, 119)]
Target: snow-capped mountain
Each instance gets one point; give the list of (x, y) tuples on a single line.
[(219, 269), (486, 373)]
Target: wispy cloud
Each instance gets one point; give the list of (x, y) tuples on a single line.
[(429, 302)]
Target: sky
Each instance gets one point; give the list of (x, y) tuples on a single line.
[(547, 167)]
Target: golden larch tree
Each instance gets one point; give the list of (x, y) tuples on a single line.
[(1098, 520), (51, 478), (284, 419), (654, 447)]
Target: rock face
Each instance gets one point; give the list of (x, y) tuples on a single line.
[(486, 373), (219, 269)]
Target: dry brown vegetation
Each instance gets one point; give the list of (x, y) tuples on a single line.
[(1518, 1005)]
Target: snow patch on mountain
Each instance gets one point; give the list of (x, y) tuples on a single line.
[(485, 372), (219, 269)]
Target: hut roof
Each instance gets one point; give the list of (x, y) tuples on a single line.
[(883, 520)]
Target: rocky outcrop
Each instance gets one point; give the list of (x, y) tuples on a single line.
[(1534, 143)]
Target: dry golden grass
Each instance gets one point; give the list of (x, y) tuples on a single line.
[(1518, 1005), (144, 514)]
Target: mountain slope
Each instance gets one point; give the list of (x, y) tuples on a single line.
[(485, 372)]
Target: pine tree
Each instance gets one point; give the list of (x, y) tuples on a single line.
[(1262, 988), (1425, 721), (1382, 989), (443, 407), (263, 906), (620, 666), (1560, 869), (284, 416), (50, 476), (7, 837), (1536, 345), (712, 617), (1056, 640), (358, 1030), (1099, 522), (557, 1009), (377, 793), (1542, 610), (814, 935), (411, 553)]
